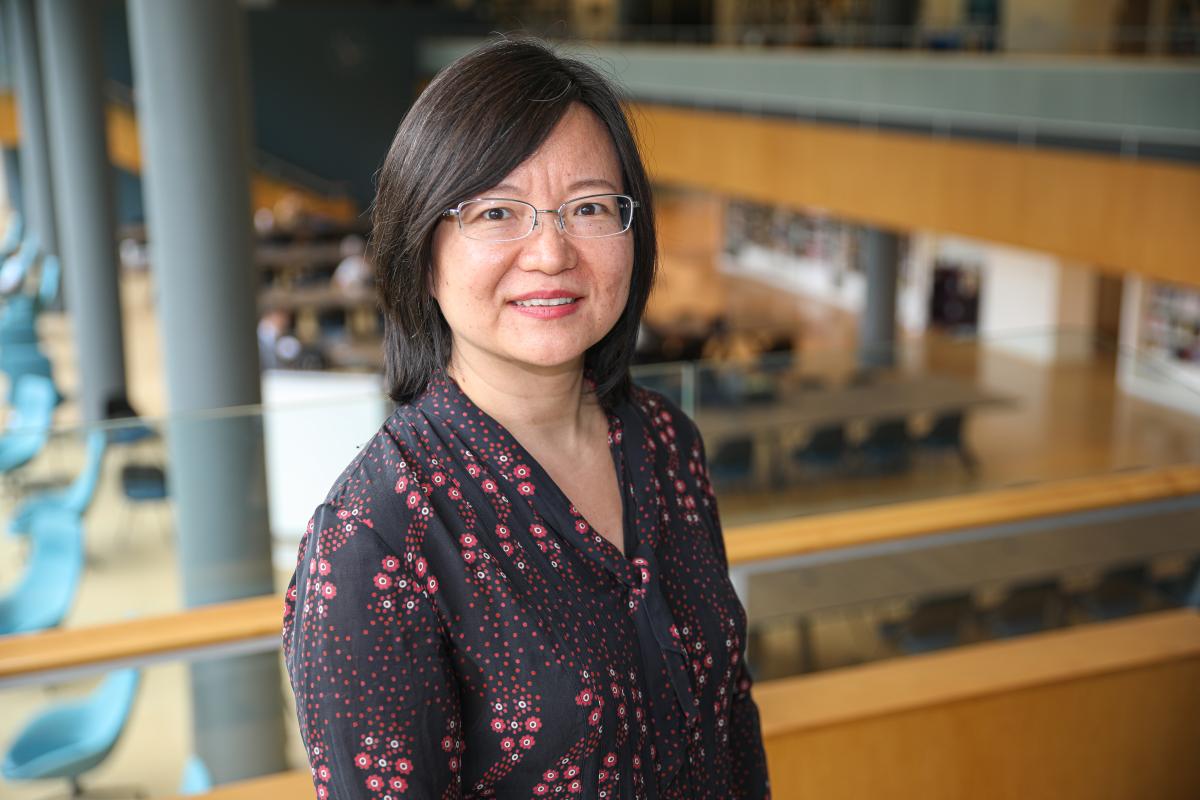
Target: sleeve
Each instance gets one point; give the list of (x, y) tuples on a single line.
[(376, 696), (749, 759)]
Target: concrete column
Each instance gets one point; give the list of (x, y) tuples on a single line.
[(880, 259), (37, 194), (68, 32), (189, 65)]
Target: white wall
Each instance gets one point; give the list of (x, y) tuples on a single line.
[(1018, 302), (314, 424), (1034, 306)]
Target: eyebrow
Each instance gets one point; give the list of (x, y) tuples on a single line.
[(586, 183)]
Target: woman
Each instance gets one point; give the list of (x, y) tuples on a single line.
[(519, 588)]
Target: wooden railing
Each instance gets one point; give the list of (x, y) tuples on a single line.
[(256, 621), (888, 523), (1108, 710)]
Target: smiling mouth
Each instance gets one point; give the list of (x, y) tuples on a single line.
[(549, 301)]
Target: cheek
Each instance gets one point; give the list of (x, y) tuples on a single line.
[(460, 277), (619, 276)]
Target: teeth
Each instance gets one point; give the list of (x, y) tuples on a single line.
[(557, 301)]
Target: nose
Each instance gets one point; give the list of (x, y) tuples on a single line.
[(548, 249)]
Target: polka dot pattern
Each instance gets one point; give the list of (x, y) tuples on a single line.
[(456, 629)]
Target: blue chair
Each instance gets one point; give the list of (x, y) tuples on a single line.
[(26, 359), (733, 462), (1120, 592), (1182, 589), (12, 235), (17, 266), (946, 435), (76, 497), (1028, 608), (196, 777), (718, 388), (126, 427), (18, 322), (43, 595), (28, 427), (142, 482), (73, 737), (934, 624), (825, 450), (887, 447)]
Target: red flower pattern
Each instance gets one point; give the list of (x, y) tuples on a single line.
[(375, 674)]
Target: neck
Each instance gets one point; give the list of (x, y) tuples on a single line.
[(547, 404)]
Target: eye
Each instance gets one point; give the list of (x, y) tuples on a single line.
[(591, 210), (487, 212)]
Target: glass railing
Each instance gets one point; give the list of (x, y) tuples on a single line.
[(788, 435), (993, 583), (797, 435)]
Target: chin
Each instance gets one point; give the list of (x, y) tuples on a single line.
[(551, 360), (552, 354)]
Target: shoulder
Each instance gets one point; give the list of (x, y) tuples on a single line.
[(664, 419), (391, 453), (668, 425), (380, 488)]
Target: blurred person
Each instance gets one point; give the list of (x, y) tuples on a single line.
[(288, 213), (519, 588), (273, 327), (354, 271), (264, 222)]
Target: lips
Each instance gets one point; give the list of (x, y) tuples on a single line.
[(550, 297), (551, 304), (542, 302)]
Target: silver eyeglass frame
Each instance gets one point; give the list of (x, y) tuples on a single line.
[(561, 224)]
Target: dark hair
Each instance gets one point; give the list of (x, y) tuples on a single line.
[(479, 119)]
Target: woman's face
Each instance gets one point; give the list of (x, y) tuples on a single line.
[(484, 288)]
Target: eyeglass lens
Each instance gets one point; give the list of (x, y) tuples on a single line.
[(498, 220)]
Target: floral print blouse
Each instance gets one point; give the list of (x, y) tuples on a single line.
[(455, 628)]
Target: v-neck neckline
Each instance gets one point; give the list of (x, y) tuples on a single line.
[(588, 540)]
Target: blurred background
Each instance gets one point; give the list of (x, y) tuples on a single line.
[(929, 286)]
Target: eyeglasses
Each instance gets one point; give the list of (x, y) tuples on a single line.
[(499, 219)]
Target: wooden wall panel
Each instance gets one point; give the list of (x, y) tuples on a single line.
[(1123, 736), (1099, 711), (1118, 215)]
